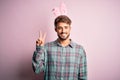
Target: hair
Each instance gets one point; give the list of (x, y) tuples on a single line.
[(62, 18)]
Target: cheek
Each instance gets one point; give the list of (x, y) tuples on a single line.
[(68, 31), (58, 31)]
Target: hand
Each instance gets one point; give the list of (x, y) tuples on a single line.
[(41, 39)]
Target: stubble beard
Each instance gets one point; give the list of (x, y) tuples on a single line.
[(63, 39)]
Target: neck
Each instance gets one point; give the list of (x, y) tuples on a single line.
[(64, 42)]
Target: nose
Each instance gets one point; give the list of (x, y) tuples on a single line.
[(63, 30)]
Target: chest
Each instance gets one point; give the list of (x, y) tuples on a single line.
[(63, 55)]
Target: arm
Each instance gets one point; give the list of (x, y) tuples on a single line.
[(39, 59), (83, 66)]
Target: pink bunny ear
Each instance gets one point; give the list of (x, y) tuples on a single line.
[(56, 11), (63, 9)]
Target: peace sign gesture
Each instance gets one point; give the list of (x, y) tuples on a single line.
[(41, 39)]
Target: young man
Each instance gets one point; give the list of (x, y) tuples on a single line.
[(61, 59)]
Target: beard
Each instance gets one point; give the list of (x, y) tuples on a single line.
[(63, 38)]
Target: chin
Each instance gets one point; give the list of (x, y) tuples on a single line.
[(65, 38)]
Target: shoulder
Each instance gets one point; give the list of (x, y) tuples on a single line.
[(52, 43), (76, 45), (79, 47)]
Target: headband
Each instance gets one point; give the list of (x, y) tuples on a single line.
[(62, 10)]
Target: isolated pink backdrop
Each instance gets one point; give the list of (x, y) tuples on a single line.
[(96, 26)]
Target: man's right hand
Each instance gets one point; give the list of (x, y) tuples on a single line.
[(41, 40)]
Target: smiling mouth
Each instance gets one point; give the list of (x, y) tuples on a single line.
[(63, 34)]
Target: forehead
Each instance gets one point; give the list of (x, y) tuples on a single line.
[(62, 24)]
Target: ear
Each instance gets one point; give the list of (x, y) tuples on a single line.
[(55, 29), (63, 9), (56, 11)]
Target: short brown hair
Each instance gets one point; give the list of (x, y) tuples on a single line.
[(62, 18)]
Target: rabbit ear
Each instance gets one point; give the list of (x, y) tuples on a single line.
[(56, 11), (63, 9)]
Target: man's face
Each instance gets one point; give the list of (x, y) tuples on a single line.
[(63, 30)]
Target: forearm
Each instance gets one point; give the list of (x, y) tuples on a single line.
[(38, 60), (83, 72), (83, 66)]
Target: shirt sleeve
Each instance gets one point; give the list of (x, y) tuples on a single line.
[(83, 65), (39, 59)]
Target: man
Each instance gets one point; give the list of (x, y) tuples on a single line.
[(61, 59)]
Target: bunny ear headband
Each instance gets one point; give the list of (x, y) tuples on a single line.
[(62, 10)]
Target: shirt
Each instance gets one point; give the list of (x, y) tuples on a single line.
[(60, 63)]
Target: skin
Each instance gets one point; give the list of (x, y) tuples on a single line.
[(63, 31)]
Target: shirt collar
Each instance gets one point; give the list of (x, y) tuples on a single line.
[(71, 43)]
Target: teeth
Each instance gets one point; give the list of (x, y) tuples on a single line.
[(63, 34)]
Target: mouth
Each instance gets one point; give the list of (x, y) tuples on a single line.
[(63, 34)]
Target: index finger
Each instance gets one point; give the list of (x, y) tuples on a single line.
[(44, 36), (40, 35)]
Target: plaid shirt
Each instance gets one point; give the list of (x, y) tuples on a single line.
[(60, 63)]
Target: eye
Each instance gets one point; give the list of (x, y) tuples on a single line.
[(59, 28), (66, 27)]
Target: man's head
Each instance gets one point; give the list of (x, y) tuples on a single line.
[(62, 18), (62, 27)]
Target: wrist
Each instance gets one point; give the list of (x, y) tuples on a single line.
[(38, 47)]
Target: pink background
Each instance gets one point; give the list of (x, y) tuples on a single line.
[(96, 26)]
